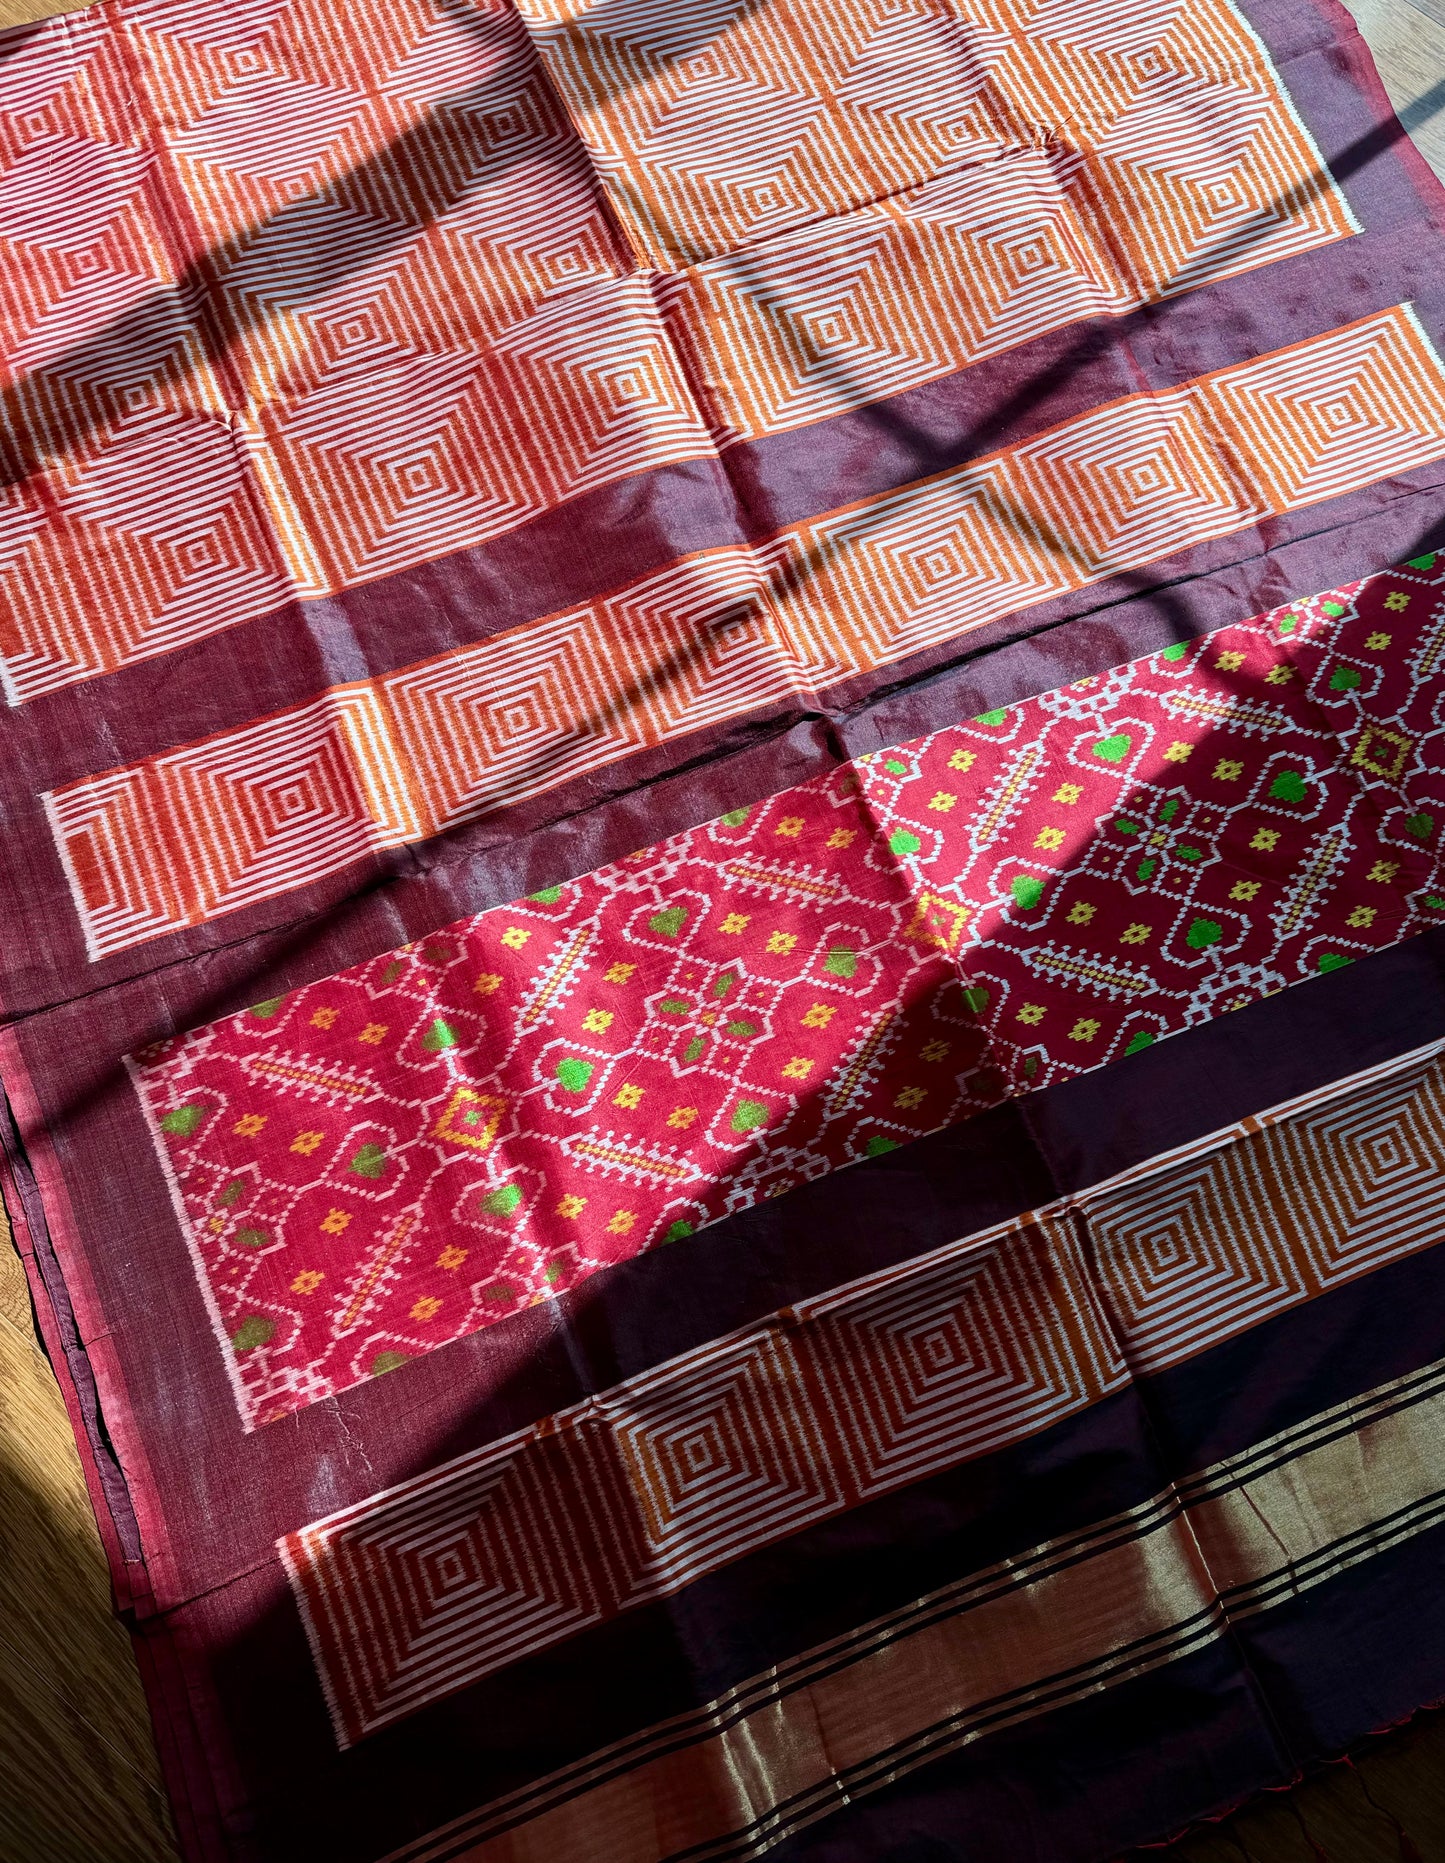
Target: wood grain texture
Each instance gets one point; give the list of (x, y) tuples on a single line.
[(79, 1781), (1385, 1805), (78, 1776)]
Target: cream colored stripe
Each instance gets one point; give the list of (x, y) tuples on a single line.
[(1320, 1498)]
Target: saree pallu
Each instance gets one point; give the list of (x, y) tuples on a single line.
[(724, 1036)]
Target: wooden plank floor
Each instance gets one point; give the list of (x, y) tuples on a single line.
[(78, 1775)]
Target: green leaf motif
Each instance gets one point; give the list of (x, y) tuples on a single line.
[(876, 1147), (1115, 748), (439, 1036), (841, 962), (1176, 652), (1168, 810), (252, 1238), (181, 1121), (1145, 869), (1289, 786), (1203, 933), (253, 1332), (992, 718), (1333, 609), (548, 896), (975, 999), (574, 1073), (502, 1202), (1421, 562), (901, 841), (724, 983), (895, 768), (263, 1012), (674, 1006), (388, 1361), (1344, 679), (1333, 960), (734, 818), (742, 1029), (1027, 891), (693, 1051), (1127, 827), (677, 1232), (669, 922), (1288, 623), (1138, 1043), (370, 1161), (748, 1115), (1422, 826)]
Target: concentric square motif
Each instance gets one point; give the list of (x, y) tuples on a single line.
[(400, 1154)]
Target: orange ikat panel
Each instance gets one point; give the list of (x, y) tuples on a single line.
[(424, 322), (849, 201), (207, 828)]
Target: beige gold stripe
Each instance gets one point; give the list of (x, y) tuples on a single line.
[(1047, 1627)]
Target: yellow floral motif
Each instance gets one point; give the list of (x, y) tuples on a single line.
[(791, 826), (623, 1221), (842, 837), (934, 1051), (597, 1021), (1134, 934), (1085, 1029), (1378, 641), (681, 1117), (911, 1097), (1397, 600), (1361, 918), (426, 1308), (515, 936), (1264, 839), (780, 943), (1279, 676), (373, 1033), (1244, 889), (451, 1257), (942, 801), (798, 1068), (1080, 913), (963, 760), (1068, 793), (1228, 771), (488, 983), (249, 1124), (736, 922), (1032, 1013), (628, 1096), (216, 1224), (570, 1206), (334, 1222), (306, 1142), (1049, 839), (1230, 662), (819, 1016), (324, 1018), (1179, 752), (1384, 871), (307, 1281), (618, 973)]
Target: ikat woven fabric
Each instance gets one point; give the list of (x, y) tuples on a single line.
[(418, 1147), (723, 981)]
